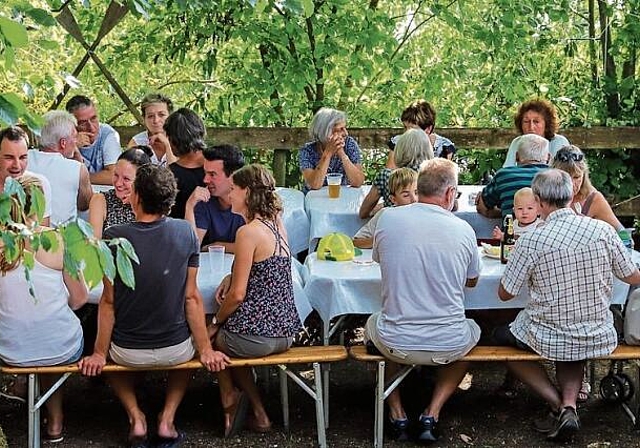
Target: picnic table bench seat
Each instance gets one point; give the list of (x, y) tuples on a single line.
[(315, 355), (477, 354)]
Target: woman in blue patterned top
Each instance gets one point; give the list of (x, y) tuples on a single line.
[(257, 314), (413, 148), (331, 151)]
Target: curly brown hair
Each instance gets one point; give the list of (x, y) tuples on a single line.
[(544, 108), (261, 195)]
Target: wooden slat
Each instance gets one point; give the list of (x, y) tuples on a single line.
[(295, 355), (490, 353), (465, 138)]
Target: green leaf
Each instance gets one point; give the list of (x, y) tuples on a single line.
[(13, 188), (49, 240), (37, 203), (106, 260), (128, 249), (9, 56), (14, 33), (8, 112), (28, 259), (41, 16), (125, 269), (85, 227)]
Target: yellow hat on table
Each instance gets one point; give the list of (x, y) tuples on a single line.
[(337, 246)]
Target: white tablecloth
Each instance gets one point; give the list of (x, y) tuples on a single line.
[(209, 280), (295, 219), (354, 287), (328, 215), (467, 211)]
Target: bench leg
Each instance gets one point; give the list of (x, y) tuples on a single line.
[(284, 398), (34, 411), (382, 393), (320, 406)]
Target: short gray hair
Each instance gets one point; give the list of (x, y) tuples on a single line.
[(323, 122), (436, 175), (412, 148), (532, 147), (58, 124), (553, 187)]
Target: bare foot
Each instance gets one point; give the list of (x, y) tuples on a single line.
[(138, 426), (166, 428)]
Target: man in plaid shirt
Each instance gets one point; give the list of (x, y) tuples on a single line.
[(568, 265)]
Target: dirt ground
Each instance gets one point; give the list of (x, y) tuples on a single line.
[(475, 417)]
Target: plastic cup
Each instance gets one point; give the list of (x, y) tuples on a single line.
[(334, 181), (216, 258)]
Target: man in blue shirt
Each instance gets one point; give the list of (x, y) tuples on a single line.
[(99, 143), (208, 208)]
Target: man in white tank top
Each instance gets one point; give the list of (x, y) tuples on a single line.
[(61, 163), (13, 163)]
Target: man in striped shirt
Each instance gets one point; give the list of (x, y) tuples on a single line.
[(532, 157)]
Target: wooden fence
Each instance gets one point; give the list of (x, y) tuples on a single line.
[(283, 140)]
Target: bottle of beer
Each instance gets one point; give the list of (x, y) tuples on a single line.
[(508, 239)]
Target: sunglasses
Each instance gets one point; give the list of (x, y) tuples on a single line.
[(566, 156)]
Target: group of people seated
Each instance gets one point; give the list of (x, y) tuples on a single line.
[(173, 195), (161, 322)]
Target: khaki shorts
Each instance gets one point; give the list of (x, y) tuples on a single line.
[(152, 357), (419, 357), (249, 346)]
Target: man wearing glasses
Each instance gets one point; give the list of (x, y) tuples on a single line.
[(99, 143)]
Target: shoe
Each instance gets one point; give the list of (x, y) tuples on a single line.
[(547, 423), (567, 425), (53, 438), (237, 412), (399, 429), (427, 429), (172, 442)]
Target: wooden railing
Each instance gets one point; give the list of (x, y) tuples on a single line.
[(282, 140)]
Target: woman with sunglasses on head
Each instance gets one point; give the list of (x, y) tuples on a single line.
[(536, 117), (587, 200)]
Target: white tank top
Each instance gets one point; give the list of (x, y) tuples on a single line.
[(37, 332), (64, 177)]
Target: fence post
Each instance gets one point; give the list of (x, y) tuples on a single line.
[(279, 167)]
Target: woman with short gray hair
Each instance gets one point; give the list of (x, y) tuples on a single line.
[(331, 151), (412, 148)]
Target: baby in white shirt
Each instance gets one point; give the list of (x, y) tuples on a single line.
[(525, 208)]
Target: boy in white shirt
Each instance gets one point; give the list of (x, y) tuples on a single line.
[(403, 187), (525, 208)]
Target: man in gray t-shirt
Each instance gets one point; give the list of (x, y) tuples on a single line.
[(161, 321), (427, 256)]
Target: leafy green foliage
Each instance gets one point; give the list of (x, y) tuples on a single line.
[(83, 254)]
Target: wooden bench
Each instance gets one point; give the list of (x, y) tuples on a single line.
[(296, 355), (477, 354)]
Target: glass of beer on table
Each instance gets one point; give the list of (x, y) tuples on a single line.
[(334, 180)]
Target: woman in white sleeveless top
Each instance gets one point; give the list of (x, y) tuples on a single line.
[(40, 330)]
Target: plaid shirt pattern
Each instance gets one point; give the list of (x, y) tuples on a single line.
[(568, 265)]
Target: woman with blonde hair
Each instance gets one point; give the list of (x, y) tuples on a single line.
[(587, 200), (257, 314), (412, 148), (39, 329)]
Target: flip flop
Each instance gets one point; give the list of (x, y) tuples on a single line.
[(238, 413), (172, 442)]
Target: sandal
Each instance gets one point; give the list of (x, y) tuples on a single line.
[(237, 413), (585, 392)]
